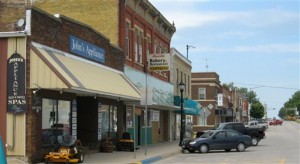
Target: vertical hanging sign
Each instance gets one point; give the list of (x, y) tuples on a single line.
[(16, 99)]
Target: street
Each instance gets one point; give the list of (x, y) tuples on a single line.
[(281, 146)]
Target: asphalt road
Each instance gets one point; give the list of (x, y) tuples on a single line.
[(281, 146)]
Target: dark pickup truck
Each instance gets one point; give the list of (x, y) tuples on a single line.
[(255, 133)]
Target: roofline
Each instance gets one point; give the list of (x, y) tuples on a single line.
[(12, 34)]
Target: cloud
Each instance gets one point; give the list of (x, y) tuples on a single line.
[(267, 48), (236, 34), (188, 15)]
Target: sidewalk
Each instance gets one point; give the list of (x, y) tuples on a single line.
[(154, 153)]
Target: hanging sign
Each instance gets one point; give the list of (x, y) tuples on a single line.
[(36, 103), (220, 99), (159, 62), (16, 99)]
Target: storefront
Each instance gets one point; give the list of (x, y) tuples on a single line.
[(191, 108), (73, 83), (92, 96), (159, 109)]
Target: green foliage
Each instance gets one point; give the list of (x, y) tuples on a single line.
[(250, 94), (291, 106), (257, 110)]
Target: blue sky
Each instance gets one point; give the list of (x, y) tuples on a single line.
[(249, 42)]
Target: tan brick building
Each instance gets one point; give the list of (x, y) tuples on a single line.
[(139, 29), (181, 72)]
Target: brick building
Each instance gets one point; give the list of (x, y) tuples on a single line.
[(181, 69), (73, 84), (219, 102), (139, 29)]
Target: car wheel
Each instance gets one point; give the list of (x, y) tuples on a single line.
[(191, 151), (80, 157), (203, 148), (254, 141), (227, 150), (240, 147)]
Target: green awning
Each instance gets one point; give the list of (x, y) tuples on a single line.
[(191, 107)]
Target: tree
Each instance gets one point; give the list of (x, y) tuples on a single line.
[(257, 110), (291, 106), (251, 95)]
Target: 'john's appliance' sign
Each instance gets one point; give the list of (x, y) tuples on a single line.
[(16, 98), (86, 50)]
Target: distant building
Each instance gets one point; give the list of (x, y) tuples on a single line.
[(219, 103)]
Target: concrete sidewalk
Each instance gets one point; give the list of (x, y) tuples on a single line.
[(153, 153)]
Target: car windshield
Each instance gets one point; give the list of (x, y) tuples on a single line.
[(207, 134)]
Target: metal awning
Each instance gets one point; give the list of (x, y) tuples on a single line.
[(191, 107), (54, 69)]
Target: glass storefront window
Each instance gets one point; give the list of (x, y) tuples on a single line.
[(55, 120), (129, 118), (107, 121)]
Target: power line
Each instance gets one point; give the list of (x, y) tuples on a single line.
[(268, 86)]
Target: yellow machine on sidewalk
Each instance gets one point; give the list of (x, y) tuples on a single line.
[(125, 143), (68, 150)]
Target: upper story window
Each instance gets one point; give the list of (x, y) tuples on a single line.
[(157, 48), (127, 40), (202, 93), (136, 37), (148, 45), (138, 45)]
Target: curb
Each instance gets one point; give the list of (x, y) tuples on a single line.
[(157, 158)]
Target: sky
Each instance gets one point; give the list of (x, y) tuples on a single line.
[(252, 43)]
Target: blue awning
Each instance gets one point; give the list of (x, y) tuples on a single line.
[(191, 107)]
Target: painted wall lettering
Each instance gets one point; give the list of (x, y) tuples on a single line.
[(86, 50)]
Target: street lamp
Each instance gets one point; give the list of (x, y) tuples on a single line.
[(182, 118), (187, 50)]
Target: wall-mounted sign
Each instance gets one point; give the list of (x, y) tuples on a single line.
[(159, 62), (86, 50), (36, 103), (16, 99), (154, 115), (220, 99)]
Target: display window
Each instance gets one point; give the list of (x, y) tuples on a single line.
[(107, 121), (55, 120)]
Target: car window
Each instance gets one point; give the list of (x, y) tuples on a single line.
[(238, 127), (207, 134), (220, 126), (232, 134), (220, 135), (228, 127)]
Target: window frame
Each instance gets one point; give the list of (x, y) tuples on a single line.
[(202, 93)]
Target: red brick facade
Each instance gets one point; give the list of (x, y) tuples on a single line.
[(133, 17), (3, 87)]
